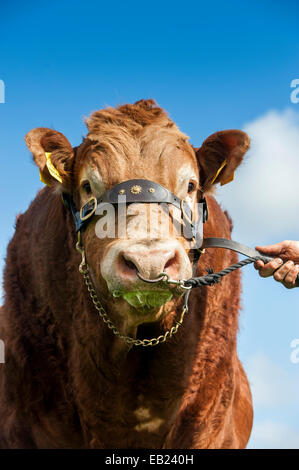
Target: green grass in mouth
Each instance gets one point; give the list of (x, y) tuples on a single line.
[(145, 299)]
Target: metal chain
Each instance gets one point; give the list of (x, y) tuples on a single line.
[(84, 270)]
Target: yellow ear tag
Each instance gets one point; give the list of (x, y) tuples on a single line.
[(218, 172), (52, 170), (43, 179)]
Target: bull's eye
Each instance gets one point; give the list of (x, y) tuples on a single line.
[(191, 187), (87, 188)]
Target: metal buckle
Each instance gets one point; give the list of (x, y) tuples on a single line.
[(85, 217), (190, 221), (205, 213)]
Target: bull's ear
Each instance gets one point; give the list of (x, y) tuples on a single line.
[(53, 154), (219, 156)]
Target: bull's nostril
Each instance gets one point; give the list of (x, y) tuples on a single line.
[(127, 266), (171, 262), (130, 264)]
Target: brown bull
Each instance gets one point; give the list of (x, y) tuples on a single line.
[(68, 380)]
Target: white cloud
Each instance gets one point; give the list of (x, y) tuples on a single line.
[(263, 199), (273, 435), (270, 384), (274, 390)]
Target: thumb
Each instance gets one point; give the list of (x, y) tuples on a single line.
[(270, 249)]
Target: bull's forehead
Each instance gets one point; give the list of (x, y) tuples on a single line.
[(159, 155)]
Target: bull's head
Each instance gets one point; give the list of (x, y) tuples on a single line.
[(136, 142)]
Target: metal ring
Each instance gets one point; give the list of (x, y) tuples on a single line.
[(158, 279), (85, 217)]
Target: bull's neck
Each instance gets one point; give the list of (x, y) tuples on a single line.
[(123, 340)]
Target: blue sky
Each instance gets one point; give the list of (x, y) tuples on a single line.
[(212, 66)]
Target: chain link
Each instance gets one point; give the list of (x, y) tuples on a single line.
[(84, 270)]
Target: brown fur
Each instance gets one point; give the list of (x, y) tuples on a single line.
[(61, 385)]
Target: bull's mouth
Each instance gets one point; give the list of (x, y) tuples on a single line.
[(145, 299)]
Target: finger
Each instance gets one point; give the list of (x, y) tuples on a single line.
[(269, 248), (258, 264), (278, 249), (290, 278), (270, 267), (281, 273)]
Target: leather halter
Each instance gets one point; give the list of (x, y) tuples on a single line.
[(140, 191)]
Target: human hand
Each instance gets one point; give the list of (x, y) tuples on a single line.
[(287, 251)]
